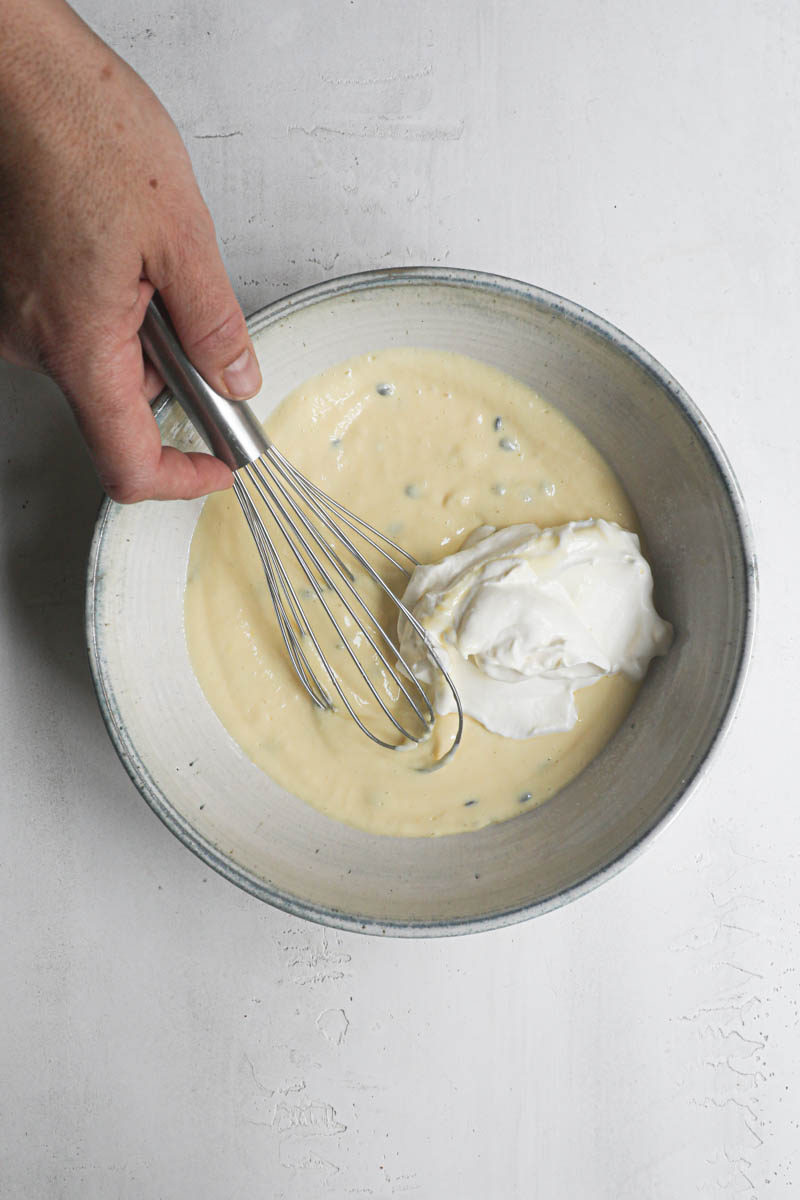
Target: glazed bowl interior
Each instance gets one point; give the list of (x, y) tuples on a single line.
[(271, 843)]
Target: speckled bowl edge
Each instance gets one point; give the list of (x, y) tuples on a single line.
[(573, 312)]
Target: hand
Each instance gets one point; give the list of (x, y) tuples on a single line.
[(99, 206)]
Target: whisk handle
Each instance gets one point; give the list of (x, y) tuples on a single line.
[(229, 429)]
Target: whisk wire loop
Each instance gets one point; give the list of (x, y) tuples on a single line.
[(296, 542), (277, 582), (307, 676), (305, 487), (349, 580), (351, 519)]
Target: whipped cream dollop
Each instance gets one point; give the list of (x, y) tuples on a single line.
[(523, 617)]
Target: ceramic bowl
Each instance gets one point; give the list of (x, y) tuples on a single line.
[(283, 851)]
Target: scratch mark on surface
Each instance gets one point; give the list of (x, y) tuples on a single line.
[(759, 1139), (740, 929), (745, 1177), (316, 960), (313, 1162), (356, 1084), (739, 1005), (404, 131), (301, 1058), (285, 1089), (333, 1025), (735, 1048), (737, 1162), (748, 1046), (368, 80), (759, 1076), (744, 970), (289, 1088), (749, 857), (210, 137), (325, 265), (256, 1080), (711, 1101), (404, 1183), (736, 898), (754, 1043), (306, 1119)]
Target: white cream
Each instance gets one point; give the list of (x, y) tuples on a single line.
[(523, 617)]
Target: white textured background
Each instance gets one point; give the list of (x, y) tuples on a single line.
[(164, 1036)]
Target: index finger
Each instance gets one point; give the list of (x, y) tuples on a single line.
[(109, 396)]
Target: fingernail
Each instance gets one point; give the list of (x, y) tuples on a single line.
[(243, 377)]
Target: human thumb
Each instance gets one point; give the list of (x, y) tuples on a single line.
[(208, 320)]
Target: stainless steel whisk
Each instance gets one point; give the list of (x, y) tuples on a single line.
[(305, 521)]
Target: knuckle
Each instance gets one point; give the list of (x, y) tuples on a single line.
[(129, 489), (182, 243), (222, 336), (127, 493)]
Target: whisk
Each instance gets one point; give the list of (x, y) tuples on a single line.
[(318, 534)]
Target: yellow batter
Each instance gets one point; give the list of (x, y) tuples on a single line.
[(426, 446)]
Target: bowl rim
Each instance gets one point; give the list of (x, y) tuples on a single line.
[(336, 918)]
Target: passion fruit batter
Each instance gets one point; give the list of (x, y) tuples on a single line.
[(426, 446)]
